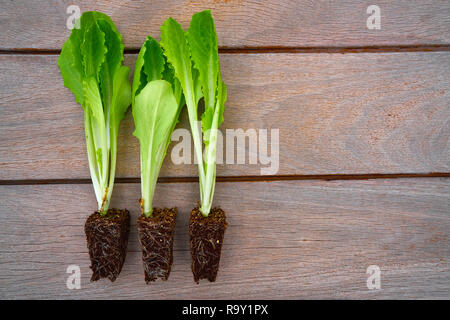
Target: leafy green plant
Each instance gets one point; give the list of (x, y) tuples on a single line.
[(194, 57), (157, 101), (91, 66)]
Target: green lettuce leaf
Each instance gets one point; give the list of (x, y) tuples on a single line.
[(157, 103), (202, 40), (91, 66), (195, 59), (150, 65), (176, 50), (70, 63), (155, 111)]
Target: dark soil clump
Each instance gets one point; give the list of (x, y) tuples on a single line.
[(206, 238), (107, 239), (156, 238)]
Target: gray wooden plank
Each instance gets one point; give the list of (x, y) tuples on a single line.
[(286, 240), (272, 23), (336, 114)]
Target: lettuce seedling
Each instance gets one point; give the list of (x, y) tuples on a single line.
[(194, 57), (157, 101), (91, 66)]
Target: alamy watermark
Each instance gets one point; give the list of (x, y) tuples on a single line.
[(74, 279), (73, 21), (374, 279), (236, 146), (374, 20)]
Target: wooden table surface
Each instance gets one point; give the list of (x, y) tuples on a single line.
[(364, 155)]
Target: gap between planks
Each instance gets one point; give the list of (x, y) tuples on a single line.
[(325, 177), (263, 50)]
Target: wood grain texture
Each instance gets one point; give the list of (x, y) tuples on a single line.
[(336, 114), (297, 239), (249, 23)]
